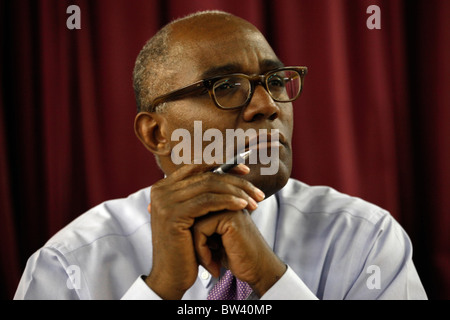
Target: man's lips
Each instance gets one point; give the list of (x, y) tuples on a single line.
[(264, 141), (264, 145)]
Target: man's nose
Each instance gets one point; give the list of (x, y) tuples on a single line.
[(261, 106)]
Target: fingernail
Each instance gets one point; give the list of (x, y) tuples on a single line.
[(244, 168), (243, 203), (260, 194), (253, 203)]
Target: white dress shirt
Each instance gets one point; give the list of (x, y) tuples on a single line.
[(335, 247)]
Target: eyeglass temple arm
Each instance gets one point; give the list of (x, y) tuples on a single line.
[(177, 94)]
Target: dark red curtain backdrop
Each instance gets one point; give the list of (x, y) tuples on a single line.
[(373, 121)]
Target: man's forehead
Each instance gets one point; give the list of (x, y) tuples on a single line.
[(217, 53), (210, 45)]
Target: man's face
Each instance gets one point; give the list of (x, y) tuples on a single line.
[(220, 49)]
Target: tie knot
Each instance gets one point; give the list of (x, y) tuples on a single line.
[(230, 288)]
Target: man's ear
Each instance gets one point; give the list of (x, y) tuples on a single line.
[(151, 129)]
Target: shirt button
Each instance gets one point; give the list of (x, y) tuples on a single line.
[(205, 275)]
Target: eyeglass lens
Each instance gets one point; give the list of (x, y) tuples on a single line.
[(234, 91)]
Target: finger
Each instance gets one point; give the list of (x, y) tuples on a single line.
[(185, 177), (208, 254), (240, 169), (191, 173), (189, 170), (208, 244), (211, 202), (218, 183), (241, 183)]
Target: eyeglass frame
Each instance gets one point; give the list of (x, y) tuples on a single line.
[(208, 84)]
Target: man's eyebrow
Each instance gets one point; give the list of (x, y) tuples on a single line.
[(221, 70), (265, 65), (269, 64)]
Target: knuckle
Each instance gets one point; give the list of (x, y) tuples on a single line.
[(156, 192), (232, 223), (247, 184), (207, 182), (161, 214), (206, 198)]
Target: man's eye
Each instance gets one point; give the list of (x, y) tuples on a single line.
[(276, 82), (226, 86)]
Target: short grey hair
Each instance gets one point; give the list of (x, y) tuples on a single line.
[(149, 63)]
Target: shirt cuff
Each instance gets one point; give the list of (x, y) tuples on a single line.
[(289, 287), (139, 290)]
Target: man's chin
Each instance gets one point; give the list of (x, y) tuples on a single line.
[(269, 182)]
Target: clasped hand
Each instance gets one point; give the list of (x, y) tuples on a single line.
[(203, 218)]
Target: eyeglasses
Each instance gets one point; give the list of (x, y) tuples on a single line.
[(235, 90)]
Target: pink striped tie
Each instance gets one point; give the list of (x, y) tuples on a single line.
[(230, 288)]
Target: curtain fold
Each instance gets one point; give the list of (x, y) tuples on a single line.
[(9, 251), (373, 120)]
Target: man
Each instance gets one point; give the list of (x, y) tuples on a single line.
[(197, 234)]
